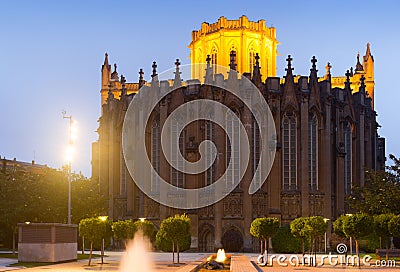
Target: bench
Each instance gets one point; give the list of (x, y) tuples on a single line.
[(381, 253)]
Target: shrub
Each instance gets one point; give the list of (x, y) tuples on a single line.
[(166, 245), (285, 242)]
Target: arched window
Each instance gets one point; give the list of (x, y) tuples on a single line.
[(214, 60), (347, 158), (177, 177), (232, 150), (155, 154), (289, 152), (312, 152), (233, 55), (210, 173), (255, 151)]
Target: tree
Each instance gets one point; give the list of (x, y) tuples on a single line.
[(394, 226), (316, 227), (357, 226), (299, 229), (263, 229), (146, 226), (175, 229), (93, 229), (338, 226), (123, 230), (381, 228), (381, 192)]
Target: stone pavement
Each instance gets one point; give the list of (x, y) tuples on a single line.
[(240, 262)]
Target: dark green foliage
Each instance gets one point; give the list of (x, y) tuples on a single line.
[(357, 225), (264, 228), (123, 229), (394, 226), (175, 229), (338, 226), (370, 243), (285, 242), (147, 227), (381, 193), (165, 244)]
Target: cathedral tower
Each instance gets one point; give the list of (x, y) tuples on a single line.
[(243, 37)]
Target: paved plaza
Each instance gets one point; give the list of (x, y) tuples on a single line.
[(162, 262)]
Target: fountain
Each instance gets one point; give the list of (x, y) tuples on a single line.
[(137, 256), (219, 261)]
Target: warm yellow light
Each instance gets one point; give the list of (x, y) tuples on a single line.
[(326, 220), (221, 257), (74, 130), (27, 223), (103, 218), (142, 219), (69, 154)]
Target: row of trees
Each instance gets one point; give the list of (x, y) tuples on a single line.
[(360, 225), (173, 235), (42, 197)]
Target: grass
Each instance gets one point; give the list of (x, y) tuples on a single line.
[(36, 264)]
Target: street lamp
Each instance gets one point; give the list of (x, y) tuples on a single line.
[(326, 220), (103, 219), (69, 154)]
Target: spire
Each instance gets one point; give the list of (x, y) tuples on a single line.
[(114, 74), (154, 75), (141, 80), (105, 64), (313, 86), (289, 96), (328, 70), (232, 63), (154, 66), (368, 52), (256, 72), (177, 80), (359, 66), (348, 75), (123, 89), (351, 71), (349, 111)]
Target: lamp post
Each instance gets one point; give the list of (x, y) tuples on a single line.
[(103, 219), (351, 240), (326, 220), (71, 139)]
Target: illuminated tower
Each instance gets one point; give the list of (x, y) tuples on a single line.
[(243, 37)]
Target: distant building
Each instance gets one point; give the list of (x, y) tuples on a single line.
[(327, 135), (27, 166)]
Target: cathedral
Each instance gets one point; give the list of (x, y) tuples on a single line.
[(326, 136)]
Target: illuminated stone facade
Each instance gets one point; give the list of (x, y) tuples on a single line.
[(326, 138)]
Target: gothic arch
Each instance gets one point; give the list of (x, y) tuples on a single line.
[(232, 239), (206, 238)]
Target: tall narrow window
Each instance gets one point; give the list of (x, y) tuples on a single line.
[(233, 56), (252, 60), (232, 150), (255, 154), (210, 173), (122, 187), (312, 152), (347, 158), (214, 60), (289, 152), (177, 177), (155, 155)]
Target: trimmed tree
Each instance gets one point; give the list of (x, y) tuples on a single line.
[(394, 226), (357, 226), (317, 227), (146, 226), (381, 228), (175, 229), (264, 228), (94, 230), (338, 226), (299, 229), (123, 230)]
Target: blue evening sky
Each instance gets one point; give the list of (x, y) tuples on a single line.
[(51, 54)]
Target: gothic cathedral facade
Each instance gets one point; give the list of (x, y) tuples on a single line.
[(326, 133)]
